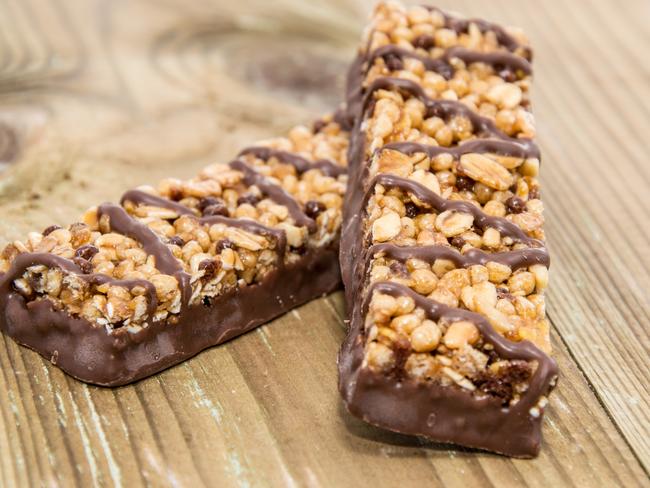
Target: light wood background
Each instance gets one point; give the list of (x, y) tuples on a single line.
[(97, 96)]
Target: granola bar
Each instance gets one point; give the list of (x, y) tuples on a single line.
[(442, 248), (137, 287)]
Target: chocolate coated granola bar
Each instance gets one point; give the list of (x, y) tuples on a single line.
[(137, 287), (442, 249)]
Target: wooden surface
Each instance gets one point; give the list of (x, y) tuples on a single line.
[(97, 96)]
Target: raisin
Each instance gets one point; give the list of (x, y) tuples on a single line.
[(207, 201), (517, 371), (223, 244), (177, 241), (313, 208), (84, 265), (463, 183), (515, 205), (411, 209), (458, 242), (402, 350), (424, 41), (210, 268), (86, 252), (502, 384)]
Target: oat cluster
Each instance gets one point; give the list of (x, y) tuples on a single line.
[(469, 198)]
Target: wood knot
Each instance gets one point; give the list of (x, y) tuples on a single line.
[(294, 73), (8, 143)]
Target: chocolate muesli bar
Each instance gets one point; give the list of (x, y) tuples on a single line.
[(138, 286), (442, 249)]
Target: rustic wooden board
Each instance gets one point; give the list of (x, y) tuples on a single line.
[(96, 97)]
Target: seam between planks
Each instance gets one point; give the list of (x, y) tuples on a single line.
[(599, 399)]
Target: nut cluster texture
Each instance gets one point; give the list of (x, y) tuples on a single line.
[(452, 214), (194, 240)]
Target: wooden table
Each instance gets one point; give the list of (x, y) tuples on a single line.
[(97, 96)]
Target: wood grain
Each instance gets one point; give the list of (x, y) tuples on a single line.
[(96, 97)]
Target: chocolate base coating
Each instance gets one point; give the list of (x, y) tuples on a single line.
[(446, 414), (89, 353)]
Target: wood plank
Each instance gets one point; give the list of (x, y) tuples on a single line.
[(592, 126), (103, 96)]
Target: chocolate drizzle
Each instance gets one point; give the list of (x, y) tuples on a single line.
[(496, 59), (519, 148), (139, 197), (481, 219), (275, 193), (253, 227), (460, 25), (439, 65), (521, 258), (26, 260), (166, 262), (443, 65), (301, 164), (504, 348), (444, 109)]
